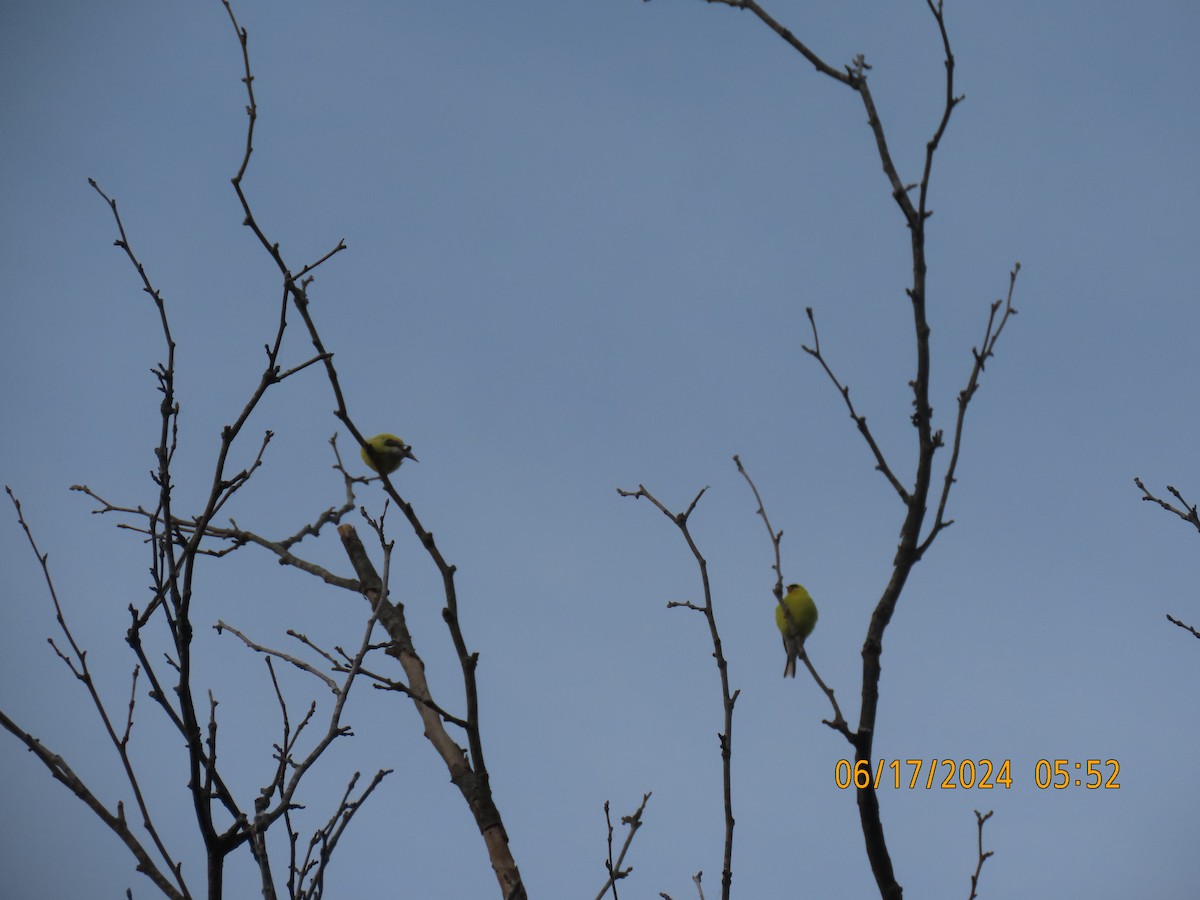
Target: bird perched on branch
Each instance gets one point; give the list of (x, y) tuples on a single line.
[(796, 624), (385, 452)]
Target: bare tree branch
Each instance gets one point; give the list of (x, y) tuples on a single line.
[(838, 722), (615, 872), (174, 886), (980, 818), (466, 772), (988, 344), (728, 698), (861, 421), (1187, 513), (1182, 625)]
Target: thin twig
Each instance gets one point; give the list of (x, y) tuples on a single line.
[(981, 354), (838, 723), (1182, 625), (728, 698), (1187, 513), (881, 463), (61, 771), (615, 872), (983, 857)]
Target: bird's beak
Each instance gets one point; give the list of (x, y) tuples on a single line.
[(408, 454)]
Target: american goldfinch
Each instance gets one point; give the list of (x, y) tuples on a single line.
[(385, 452), (802, 613)]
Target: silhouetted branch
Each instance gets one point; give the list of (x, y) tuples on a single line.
[(76, 661), (990, 336), (983, 857), (1182, 625), (838, 723), (728, 699), (1187, 513), (881, 463), (615, 872)]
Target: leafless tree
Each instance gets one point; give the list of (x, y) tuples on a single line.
[(917, 493), (177, 541)]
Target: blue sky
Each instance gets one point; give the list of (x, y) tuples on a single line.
[(581, 240)]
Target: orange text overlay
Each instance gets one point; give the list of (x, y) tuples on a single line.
[(973, 774)]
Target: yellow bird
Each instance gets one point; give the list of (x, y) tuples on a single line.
[(385, 452), (796, 625)]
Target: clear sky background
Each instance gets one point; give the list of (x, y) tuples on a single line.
[(582, 237)]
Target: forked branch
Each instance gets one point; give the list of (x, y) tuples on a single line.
[(728, 697)]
